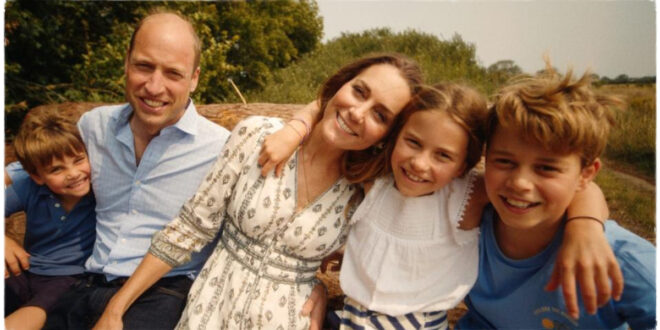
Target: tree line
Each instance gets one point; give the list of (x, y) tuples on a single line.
[(57, 51)]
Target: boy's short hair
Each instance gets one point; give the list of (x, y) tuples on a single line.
[(45, 134), (561, 114)]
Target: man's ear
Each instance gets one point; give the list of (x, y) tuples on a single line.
[(589, 173), (194, 79), (37, 178)]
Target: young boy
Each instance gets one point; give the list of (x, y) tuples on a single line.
[(543, 142), (53, 188)]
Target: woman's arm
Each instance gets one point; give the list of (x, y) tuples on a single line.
[(279, 146), (173, 245), (150, 270), (586, 255)]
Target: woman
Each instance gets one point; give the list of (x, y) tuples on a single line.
[(276, 230)]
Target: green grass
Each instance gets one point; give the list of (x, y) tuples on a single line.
[(632, 204), (632, 141)]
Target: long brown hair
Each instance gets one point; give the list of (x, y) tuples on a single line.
[(359, 164)]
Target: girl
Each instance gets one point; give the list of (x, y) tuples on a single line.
[(411, 254)]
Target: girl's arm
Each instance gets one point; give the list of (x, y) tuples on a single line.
[(279, 146), (477, 203), (150, 270), (586, 255)]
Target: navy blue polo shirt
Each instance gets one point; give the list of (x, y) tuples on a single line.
[(58, 242)]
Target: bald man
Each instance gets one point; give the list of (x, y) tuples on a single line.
[(147, 157)]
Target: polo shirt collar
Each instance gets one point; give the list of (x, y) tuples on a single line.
[(44, 191)]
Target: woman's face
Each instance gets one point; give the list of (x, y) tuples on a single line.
[(364, 108)]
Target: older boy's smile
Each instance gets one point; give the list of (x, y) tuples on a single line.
[(528, 185), (519, 204)]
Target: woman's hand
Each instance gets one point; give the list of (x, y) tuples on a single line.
[(109, 321), (586, 256)]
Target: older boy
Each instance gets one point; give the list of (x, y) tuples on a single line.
[(53, 188), (545, 136)]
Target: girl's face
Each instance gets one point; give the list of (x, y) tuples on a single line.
[(363, 109), (430, 151)]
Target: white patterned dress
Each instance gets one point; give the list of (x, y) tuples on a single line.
[(262, 270)]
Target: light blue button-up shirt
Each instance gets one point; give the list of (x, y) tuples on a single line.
[(133, 202)]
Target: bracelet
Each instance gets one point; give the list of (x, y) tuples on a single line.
[(586, 217), (297, 132), (309, 129)]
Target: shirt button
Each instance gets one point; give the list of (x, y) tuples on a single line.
[(57, 204), (62, 218)]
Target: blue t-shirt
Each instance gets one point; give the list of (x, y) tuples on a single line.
[(58, 242), (509, 293)]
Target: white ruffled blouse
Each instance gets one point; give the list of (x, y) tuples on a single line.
[(407, 254)]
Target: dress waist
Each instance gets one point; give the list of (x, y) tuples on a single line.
[(265, 259)]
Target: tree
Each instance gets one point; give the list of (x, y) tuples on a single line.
[(58, 51), (503, 70), (441, 60)]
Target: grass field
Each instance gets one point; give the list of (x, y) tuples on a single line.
[(631, 150)]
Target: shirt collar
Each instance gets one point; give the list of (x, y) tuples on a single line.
[(187, 123)]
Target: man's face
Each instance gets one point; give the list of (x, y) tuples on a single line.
[(159, 72)]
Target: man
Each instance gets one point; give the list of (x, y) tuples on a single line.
[(147, 158)]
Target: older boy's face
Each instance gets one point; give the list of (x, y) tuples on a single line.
[(530, 187)]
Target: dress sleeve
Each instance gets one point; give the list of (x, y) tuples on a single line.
[(201, 217)]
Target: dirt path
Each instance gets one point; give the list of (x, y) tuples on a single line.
[(643, 183)]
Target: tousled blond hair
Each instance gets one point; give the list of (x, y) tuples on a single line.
[(561, 114), (44, 135)]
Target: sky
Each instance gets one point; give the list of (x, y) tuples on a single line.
[(608, 37)]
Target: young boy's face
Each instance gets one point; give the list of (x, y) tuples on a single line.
[(66, 177), (430, 151), (531, 187)]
